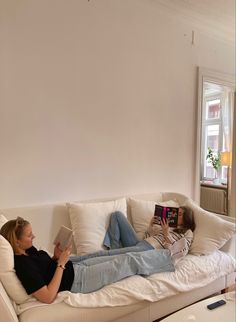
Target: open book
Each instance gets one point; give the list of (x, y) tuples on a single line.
[(168, 213), (64, 237)]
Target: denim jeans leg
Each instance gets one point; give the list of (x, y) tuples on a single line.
[(153, 261), (77, 259), (93, 275), (120, 233), (139, 247)]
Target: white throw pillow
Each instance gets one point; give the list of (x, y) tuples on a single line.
[(142, 211), (211, 232), (3, 220), (8, 276), (90, 221)]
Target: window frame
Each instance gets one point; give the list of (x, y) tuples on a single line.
[(205, 123), (224, 79)]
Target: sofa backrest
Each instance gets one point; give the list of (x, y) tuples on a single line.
[(49, 218), (45, 220)]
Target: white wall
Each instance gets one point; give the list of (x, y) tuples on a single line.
[(98, 99)]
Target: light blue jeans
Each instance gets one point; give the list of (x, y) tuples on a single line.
[(120, 233), (94, 273), (127, 256), (120, 238)]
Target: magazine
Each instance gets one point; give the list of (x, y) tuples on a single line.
[(64, 237), (168, 213)]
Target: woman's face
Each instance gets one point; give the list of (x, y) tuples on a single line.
[(180, 217), (26, 239)]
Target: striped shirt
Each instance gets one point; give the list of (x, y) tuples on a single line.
[(154, 236)]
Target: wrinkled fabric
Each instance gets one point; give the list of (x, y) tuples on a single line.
[(191, 272), (95, 273)]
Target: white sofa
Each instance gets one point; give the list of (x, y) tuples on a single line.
[(46, 220)]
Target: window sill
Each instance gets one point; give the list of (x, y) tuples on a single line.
[(214, 185)]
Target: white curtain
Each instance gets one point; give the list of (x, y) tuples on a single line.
[(227, 110), (232, 204), (227, 117)]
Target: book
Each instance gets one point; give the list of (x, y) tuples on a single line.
[(64, 237), (168, 213)]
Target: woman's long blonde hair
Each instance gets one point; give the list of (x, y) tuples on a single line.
[(12, 230)]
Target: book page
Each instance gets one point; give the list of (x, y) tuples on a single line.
[(64, 237)]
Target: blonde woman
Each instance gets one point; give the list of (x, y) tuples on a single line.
[(44, 276)]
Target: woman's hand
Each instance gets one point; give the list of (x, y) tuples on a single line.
[(57, 251), (165, 227), (154, 227), (153, 221), (64, 256)]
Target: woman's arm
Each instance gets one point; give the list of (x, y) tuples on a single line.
[(153, 228), (166, 229), (180, 248), (189, 238), (57, 252), (48, 293)]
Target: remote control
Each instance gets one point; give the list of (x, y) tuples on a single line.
[(215, 304)]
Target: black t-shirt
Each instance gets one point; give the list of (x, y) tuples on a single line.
[(37, 269)]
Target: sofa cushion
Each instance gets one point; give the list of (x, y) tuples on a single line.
[(6, 308), (211, 232), (143, 210), (3, 220), (90, 221), (8, 276)]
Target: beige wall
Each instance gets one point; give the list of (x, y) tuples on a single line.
[(98, 99)]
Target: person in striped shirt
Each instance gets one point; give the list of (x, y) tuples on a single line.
[(178, 239), (121, 237)]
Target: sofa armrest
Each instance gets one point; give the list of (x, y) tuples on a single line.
[(7, 311), (229, 246)]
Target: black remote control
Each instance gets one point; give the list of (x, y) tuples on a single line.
[(215, 304)]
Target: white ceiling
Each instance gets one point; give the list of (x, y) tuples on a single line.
[(217, 17)]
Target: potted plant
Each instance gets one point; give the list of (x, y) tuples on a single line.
[(214, 158)]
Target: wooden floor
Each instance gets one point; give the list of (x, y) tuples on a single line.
[(230, 289)]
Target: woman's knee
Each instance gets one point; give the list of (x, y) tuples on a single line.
[(117, 215)]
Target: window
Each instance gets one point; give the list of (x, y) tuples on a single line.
[(215, 129)]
